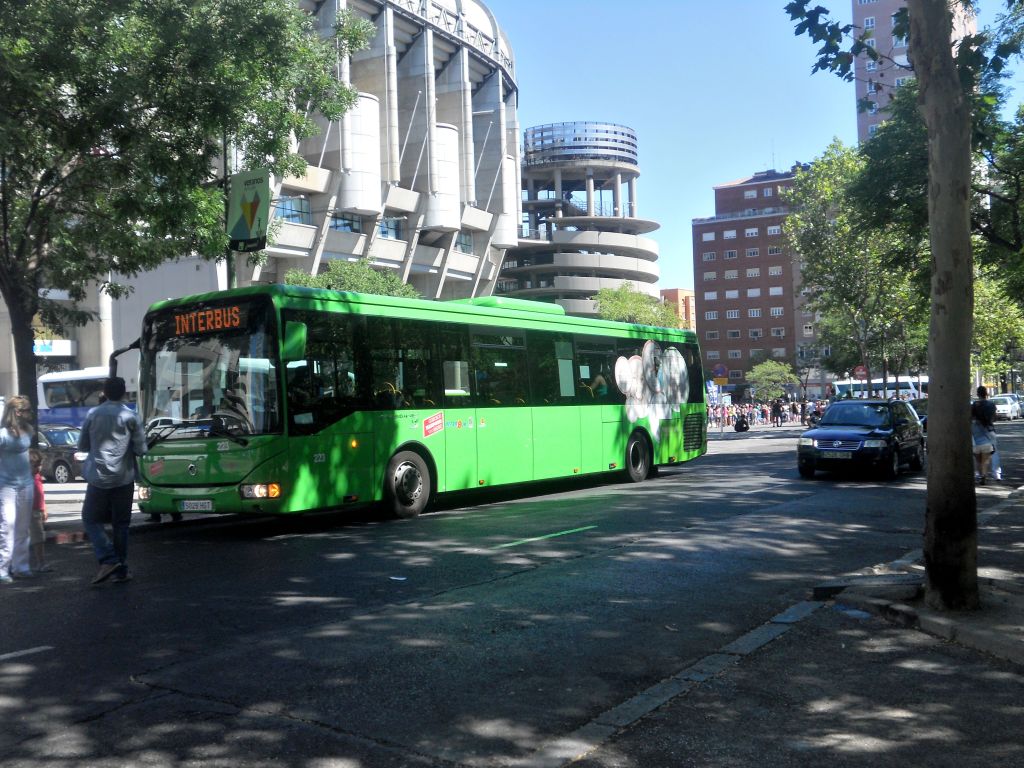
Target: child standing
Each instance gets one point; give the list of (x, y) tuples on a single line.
[(37, 531)]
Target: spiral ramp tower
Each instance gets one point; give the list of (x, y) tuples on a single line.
[(580, 234), (423, 174)]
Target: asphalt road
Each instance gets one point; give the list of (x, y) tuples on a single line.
[(473, 635)]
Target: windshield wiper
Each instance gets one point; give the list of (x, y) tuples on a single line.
[(162, 432), (218, 431)]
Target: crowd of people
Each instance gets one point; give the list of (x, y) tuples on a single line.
[(776, 413)]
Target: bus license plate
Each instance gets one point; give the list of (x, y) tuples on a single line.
[(836, 455), (197, 505)]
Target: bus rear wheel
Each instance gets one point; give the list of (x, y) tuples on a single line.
[(638, 458), (406, 484)]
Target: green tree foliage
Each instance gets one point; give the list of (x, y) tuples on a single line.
[(853, 275), (998, 325), (769, 379), (357, 276), (111, 121), (628, 305)]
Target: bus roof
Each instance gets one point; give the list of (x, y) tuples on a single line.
[(94, 372), (485, 309)]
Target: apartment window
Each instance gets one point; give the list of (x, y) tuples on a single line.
[(733, 334), (729, 234), (710, 276), (708, 237), (752, 252), (735, 375), (872, 130), (714, 354), (869, 22), (346, 222), (777, 312), (754, 312), (735, 354), (750, 232), (774, 271), (779, 333), (774, 250), (767, 191), (873, 108), (755, 333), (809, 329), (872, 86), (899, 82), (755, 352), (712, 315), (733, 294), (754, 272), (749, 194), (731, 274), (393, 228), (753, 293), (711, 335), (870, 42), (775, 290), (730, 254), (871, 65), (775, 229), (778, 351), (708, 256), (293, 209), (732, 314)]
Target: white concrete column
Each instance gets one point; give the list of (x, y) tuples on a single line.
[(558, 193), (105, 318), (590, 191), (617, 196), (632, 197), (394, 172)]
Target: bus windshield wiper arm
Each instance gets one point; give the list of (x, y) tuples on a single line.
[(216, 431), (161, 433)]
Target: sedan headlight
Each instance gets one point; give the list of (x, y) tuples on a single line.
[(806, 441), (875, 444)]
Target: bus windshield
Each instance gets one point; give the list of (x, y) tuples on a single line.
[(211, 370)]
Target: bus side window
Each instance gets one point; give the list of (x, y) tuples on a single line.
[(500, 365), (456, 380), (551, 369)]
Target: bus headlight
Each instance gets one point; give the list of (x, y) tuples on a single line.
[(261, 491), (144, 493)]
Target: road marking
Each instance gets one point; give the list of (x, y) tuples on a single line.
[(26, 652), (541, 538)]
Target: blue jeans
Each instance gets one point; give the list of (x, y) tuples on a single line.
[(113, 506)]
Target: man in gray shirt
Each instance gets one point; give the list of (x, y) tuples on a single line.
[(113, 436)]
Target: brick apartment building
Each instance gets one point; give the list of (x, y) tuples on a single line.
[(682, 302), (747, 285)]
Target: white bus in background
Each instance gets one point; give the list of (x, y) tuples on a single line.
[(910, 387), (66, 396)]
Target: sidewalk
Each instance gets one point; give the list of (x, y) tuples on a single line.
[(862, 674)]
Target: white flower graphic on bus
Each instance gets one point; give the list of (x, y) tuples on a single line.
[(654, 382)]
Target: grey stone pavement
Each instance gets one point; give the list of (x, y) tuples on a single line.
[(861, 673)]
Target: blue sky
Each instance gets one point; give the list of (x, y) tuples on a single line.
[(714, 90)]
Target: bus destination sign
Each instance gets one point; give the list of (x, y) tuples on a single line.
[(208, 320)]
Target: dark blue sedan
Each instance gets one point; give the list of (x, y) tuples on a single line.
[(877, 435)]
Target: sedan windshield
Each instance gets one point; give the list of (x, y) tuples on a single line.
[(853, 414)]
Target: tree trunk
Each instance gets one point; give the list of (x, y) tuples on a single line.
[(24, 351), (950, 536)]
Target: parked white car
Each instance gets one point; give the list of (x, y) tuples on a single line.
[(1006, 407)]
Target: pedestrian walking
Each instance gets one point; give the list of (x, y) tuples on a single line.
[(983, 434), (16, 487), (37, 534), (113, 437)]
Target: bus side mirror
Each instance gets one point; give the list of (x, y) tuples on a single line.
[(294, 340)]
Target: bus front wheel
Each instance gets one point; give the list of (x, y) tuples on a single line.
[(638, 458), (407, 484)]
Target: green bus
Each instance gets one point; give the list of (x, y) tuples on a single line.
[(280, 399)]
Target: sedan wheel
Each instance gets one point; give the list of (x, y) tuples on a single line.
[(892, 468), (62, 472)]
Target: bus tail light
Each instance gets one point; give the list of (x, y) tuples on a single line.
[(261, 491), (144, 493)]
